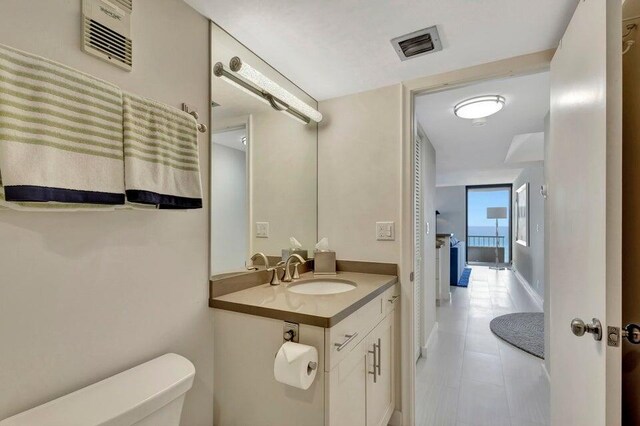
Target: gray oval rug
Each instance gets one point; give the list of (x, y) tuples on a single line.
[(524, 330)]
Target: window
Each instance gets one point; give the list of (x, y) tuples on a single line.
[(482, 242)]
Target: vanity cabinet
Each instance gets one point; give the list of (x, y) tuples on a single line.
[(345, 391), (361, 371)]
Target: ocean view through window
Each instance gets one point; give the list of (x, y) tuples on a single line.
[(481, 231)]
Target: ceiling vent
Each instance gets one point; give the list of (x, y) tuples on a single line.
[(417, 43), (106, 31)]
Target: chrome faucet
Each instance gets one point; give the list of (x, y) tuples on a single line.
[(265, 259), (287, 270)]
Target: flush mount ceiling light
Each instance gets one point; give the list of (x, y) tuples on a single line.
[(251, 81), (479, 107)]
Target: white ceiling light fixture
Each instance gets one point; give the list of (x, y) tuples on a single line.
[(479, 107), (256, 84)]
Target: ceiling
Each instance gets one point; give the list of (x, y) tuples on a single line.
[(332, 48), (231, 138), (525, 148), (468, 155)]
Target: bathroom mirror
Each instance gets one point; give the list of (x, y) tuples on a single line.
[(263, 167)]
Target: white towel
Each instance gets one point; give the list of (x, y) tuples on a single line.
[(60, 134), (161, 155)]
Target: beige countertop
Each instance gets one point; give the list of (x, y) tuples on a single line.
[(319, 310)]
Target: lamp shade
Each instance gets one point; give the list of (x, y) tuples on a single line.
[(496, 212)]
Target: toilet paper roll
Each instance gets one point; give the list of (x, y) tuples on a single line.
[(296, 365)]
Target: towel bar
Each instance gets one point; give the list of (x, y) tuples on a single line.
[(201, 127)]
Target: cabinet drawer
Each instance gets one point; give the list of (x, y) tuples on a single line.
[(391, 298), (343, 337)]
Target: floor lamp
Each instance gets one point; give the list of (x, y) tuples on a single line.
[(497, 213)]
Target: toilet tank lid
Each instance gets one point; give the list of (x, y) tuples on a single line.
[(124, 398)]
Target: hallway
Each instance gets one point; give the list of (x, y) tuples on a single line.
[(472, 378)]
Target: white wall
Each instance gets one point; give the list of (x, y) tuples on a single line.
[(360, 179), (529, 261), (451, 202), (229, 216), (86, 295), (359, 173)]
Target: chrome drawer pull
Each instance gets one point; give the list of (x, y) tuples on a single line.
[(376, 370), (379, 356), (350, 337)]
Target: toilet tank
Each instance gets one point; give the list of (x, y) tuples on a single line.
[(149, 394)]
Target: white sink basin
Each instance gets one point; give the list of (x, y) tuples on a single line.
[(322, 286)]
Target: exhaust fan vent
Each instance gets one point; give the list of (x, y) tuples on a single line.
[(417, 43), (126, 4), (106, 31)]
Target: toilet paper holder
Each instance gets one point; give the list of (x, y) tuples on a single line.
[(312, 366), (290, 332)]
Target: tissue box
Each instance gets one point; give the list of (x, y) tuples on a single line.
[(324, 263), (288, 252)]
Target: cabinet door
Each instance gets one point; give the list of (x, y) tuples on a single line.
[(380, 358), (347, 389)]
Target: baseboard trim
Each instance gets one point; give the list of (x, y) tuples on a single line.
[(425, 349), (525, 284), (396, 418), (546, 372)]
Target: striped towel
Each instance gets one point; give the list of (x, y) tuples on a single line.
[(161, 155), (29, 206), (60, 133)]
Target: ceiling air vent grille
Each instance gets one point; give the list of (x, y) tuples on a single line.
[(106, 29), (417, 43)]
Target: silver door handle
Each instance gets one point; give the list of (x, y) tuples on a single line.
[(375, 363), (579, 328), (350, 337)]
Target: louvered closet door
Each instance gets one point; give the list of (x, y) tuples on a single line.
[(418, 247)]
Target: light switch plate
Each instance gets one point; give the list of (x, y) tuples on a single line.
[(385, 231), (262, 229)]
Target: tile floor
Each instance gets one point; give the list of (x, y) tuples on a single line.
[(472, 378)]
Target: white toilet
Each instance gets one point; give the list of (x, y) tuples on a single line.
[(150, 394)]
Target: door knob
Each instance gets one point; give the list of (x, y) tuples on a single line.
[(579, 328), (632, 333)]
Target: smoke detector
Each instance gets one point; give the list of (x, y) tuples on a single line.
[(417, 43), (106, 31)]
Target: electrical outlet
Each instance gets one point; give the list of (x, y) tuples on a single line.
[(262, 229), (385, 231)]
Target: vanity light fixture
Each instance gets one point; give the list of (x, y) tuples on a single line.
[(256, 77), (479, 107), (266, 90)]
